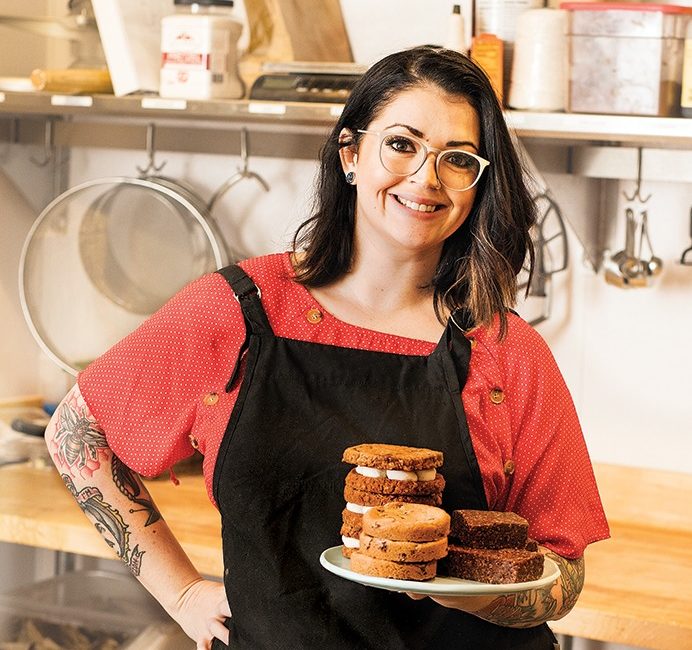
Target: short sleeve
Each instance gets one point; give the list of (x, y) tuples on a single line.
[(553, 485), (145, 390)]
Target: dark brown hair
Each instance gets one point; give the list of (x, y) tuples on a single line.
[(480, 262)]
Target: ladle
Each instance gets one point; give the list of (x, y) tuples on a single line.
[(654, 265)]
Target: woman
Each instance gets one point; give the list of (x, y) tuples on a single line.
[(394, 302)]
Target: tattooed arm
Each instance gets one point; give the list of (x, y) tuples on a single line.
[(117, 502), (527, 608)]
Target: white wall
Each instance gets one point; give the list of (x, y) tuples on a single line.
[(626, 354)]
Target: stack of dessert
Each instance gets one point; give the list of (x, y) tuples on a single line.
[(402, 541), (384, 474), (490, 546)]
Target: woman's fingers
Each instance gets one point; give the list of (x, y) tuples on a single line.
[(415, 596), (219, 630)]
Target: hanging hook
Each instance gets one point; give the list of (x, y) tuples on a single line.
[(244, 159), (637, 191), (11, 137), (48, 146), (151, 153), (242, 172)]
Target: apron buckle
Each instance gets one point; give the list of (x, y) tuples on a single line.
[(250, 291)]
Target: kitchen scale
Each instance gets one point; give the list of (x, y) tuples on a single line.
[(329, 83)]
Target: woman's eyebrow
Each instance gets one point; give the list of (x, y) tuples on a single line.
[(461, 143), (419, 134), (416, 132)]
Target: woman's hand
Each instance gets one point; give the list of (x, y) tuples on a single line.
[(201, 610), (525, 608)]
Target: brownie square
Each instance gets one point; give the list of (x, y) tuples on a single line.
[(488, 529), (504, 566)]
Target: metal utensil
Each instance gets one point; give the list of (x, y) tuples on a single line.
[(683, 257), (654, 265)]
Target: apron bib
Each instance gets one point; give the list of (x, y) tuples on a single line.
[(279, 483)]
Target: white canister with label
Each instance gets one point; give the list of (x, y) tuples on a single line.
[(499, 17), (539, 68), (199, 51)]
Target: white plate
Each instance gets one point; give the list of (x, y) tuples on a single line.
[(333, 560)]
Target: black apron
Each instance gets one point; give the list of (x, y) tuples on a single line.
[(279, 481)]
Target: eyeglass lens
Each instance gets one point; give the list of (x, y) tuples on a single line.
[(404, 156)]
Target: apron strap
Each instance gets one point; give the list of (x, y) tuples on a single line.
[(248, 295), (454, 343), (454, 350)]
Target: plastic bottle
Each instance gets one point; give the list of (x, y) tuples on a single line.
[(456, 32), (686, 96), (199, 51), (487, 52)]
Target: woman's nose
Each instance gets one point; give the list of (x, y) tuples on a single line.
[(427, 174)]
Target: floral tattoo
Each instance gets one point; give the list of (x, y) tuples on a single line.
[(79, 448)]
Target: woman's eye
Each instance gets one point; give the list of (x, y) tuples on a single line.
[(400, 144), (460, 160)]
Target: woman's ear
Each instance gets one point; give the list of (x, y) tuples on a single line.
[(348, 151)]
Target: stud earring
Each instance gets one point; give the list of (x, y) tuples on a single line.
[(351, 178)]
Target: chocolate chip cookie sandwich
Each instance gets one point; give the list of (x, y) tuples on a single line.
[(383, 474), (402, 540), (491, 546)]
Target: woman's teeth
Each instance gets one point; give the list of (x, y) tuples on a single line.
[(416, 206)]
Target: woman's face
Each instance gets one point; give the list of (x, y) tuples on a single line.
[(416, 213)]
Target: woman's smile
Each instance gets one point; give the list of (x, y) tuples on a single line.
[(418, 204), (412, 211)]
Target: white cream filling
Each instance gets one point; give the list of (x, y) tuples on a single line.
[(370, 472), (397, 474), (350, 542), (401, 475), (357, 508), (419, 207)]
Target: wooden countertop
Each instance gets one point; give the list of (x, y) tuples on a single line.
[(637, 589), (36, 509)]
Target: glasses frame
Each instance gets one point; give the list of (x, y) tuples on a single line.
[(428, 150)]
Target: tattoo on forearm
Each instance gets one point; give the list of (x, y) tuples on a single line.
[(108, 522), (131, 486), (515, 610), (532, 607), (572, 580), (78, 440)]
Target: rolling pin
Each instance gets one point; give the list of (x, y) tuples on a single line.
[(73, 80)]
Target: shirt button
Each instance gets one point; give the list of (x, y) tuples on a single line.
[(497, 396), (194, 442), (313, 316), (509, 467), (210, 399)]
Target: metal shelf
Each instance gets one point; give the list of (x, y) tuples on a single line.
[(316, 118), (154, 107), (667, 132)]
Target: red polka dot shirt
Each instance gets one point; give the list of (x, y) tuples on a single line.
[(161, 390)]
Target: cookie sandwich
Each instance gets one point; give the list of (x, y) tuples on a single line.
[(383, 474)]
